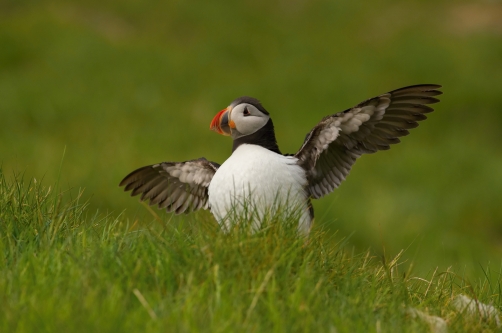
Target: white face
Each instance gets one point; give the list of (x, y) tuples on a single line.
[(247, 119)]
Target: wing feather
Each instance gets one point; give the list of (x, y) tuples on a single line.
[(179, 187), (332, 147)]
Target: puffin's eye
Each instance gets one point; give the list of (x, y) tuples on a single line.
[(246, 112)]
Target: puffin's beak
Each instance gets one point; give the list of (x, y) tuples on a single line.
[(220, 123)]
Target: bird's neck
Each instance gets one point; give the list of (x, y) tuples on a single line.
[(264, 137)]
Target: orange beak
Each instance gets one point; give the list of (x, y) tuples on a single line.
[(220, 123)]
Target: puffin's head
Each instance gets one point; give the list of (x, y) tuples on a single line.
[(244, 116)]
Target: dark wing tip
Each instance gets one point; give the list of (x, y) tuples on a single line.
[(418, 90), (422, 86), (133, 176)]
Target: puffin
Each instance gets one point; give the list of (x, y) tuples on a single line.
[(258, 180)]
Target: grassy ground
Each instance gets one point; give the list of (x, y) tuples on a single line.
[(64, 269), (91, 90)]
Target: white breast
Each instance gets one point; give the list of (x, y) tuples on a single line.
[(255, 181)]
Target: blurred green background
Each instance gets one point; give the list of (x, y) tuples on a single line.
[(115, 85)]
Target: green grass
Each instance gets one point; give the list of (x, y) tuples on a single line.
[(65, 268)]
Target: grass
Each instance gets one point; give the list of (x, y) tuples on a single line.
[(65, 268)]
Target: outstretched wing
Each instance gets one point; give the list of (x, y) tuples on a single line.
[(332, 147), (179, 187)]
